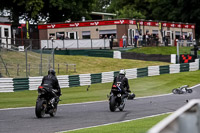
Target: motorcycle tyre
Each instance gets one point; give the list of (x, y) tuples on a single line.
[(189, 90), (112, 104), (175, 91), (40, 108)]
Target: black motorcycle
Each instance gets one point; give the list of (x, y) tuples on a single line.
[(182, 90), (116, 100), (46, 103)]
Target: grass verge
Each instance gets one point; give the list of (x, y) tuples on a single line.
[(84, 64), (161, 50), (146, 86), (134, 126)]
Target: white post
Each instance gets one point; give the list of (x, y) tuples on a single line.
[(177, 45)]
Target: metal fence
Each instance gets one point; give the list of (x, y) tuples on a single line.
[(15, 42), (29, 62)]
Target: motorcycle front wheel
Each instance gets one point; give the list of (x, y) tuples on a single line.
[(175, 91), (40, 108), (112, 104)]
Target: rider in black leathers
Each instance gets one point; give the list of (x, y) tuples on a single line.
[(51, 81), (122, 82)]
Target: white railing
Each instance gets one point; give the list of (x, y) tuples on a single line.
[(73, 44), (184, 120)]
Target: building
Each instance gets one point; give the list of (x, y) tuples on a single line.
[(5, 31), (98, 29)]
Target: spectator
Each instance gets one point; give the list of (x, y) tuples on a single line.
[(51, 37), (148, 39), (111, 41), (140, 40), (67, 37), (157, 39), (124, 40), (136, 37), (144, 40), (100, 36), (105, 37)]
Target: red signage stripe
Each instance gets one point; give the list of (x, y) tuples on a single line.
[(115, 22)]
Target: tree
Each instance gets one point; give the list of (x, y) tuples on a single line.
[(186, 11), (129, 9), (101, 5), (53, 10)]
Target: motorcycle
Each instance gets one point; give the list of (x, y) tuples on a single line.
[(45, 104), (182, 90), (116, 100)]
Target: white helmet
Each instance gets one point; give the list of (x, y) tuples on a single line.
[(122, 71)]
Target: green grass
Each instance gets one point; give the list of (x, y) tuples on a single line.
[(146, 86), (161, 50), (134, 126), (84, 64), (97, 65)]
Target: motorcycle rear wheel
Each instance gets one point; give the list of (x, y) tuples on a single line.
[(112, 104), (40, 108)]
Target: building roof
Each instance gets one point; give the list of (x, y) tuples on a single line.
[(102, 13), (4, 19)]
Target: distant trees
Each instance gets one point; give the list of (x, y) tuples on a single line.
[(61, 10), (186, 11), (51, 10)]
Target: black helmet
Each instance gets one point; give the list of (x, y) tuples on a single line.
[(51, 71)]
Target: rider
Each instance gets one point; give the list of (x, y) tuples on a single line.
[(122, 82), (51, 81)]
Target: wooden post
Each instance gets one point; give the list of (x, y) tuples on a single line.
[(17, 69), (74, 67), (58, 68), (40, 70), (66, 68), (29, 69)]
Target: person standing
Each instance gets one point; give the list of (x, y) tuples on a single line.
[(111, 41), (157, 39), (124, 40)]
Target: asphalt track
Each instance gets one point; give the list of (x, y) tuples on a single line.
[(73, 116)]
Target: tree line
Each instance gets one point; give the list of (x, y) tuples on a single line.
[(186, 11)]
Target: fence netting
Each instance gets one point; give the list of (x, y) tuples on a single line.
[(29, 62)]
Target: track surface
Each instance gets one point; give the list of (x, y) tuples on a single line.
[(89, 114)]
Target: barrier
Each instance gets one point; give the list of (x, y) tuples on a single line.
[(153, 70), (6, 85), (107, 77), (142, 72), (131, 73), (164, 69), (174, 68), (85, 79), (184, 120), (32, 83)]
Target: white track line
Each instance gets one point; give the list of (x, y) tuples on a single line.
[(115, 122), (97, 101)]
